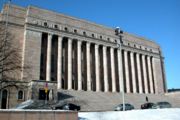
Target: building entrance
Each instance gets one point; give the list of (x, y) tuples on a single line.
[(43, 95)]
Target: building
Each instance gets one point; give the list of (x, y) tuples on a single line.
[(74, 54)]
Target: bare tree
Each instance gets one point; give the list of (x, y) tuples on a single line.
[(10, 60)]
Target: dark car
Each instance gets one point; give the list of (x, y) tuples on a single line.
[(149, 105), (127, 107), (163, 105), (68, 106)]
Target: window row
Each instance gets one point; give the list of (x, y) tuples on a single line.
[(76, 31)]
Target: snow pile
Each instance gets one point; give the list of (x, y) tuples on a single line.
[(24, 104), (151, 114)]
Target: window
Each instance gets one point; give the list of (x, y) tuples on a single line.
[(108, 39), (45, 24), (100, 37), (115, 41), (92, 35), (56, 26), (75, 31), (134, 45), (66, 29), (20, 95), (84, 33)]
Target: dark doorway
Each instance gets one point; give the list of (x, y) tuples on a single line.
[(43, 95), (4, 99)]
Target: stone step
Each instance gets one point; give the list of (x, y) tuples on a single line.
[(100, 101)]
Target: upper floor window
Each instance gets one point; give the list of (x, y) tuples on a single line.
[(45, 24), (66, 29), (84, 33), (56, 26), (75, 31), (92, 35), (100, 37)]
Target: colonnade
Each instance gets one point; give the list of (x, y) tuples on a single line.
[(82, 65)]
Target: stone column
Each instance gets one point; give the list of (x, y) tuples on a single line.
[(120, 72), (97, 67), (88, 66), (69, 63), (105, 69), (150, 75), (79, 74), (145, 74), (126, 71), (139, 73), (133, 73), (113, 70), (48, 62), (156, 72), (59, 64)]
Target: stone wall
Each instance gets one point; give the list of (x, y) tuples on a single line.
[(37, 115)]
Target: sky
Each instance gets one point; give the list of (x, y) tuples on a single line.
[(157, 20)]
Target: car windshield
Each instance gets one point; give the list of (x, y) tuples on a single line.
[(120, 105), (128, 105)]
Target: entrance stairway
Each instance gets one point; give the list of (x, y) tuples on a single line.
[(104, 101)]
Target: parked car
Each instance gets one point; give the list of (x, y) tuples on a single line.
[(127, 107), (68, 106), (163, 104), (148, 105)]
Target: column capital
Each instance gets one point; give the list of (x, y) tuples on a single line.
[(50, 34), (143, 55), (104, 47), (70, 40), (131, 52), (96, 46), (60, 36), (112, 48), (88, 43), (148, 57), (79, 41)]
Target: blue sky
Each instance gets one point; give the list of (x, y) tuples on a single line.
[(158, 20)]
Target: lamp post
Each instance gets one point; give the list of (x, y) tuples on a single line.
[(119, 33)]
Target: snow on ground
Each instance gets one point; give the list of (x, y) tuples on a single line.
[(24, 104), (150, 114)]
